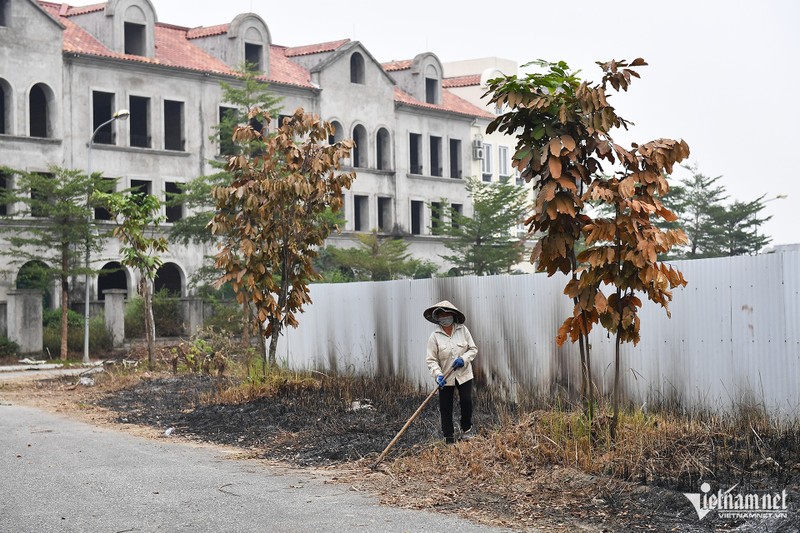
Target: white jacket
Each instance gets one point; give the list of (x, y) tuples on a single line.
[(443, 350)]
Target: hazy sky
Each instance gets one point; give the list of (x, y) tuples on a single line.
[(723, 74)]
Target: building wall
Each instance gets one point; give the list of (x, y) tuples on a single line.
[(32, 52)]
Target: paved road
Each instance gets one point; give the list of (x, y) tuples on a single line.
[(60, 475)]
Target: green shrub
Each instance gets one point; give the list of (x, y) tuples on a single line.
[(226, 317), (8, 348), (167, 315), (99, 336), (51, 318)]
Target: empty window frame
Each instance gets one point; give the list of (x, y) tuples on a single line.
[(416, 217), (383, 150), (357, 68), (385, 222), (431, 90), (227, 118), (140, 121), (360, 213), (135, 39), (173, 126), (253, 56), (5, 107), (101, 213), (102, 111), (486, 162), (39, 199), (4, 12), (415, 153), (173, 200), (39, 112), (359, 155), (456, 172), (5, 188), (455, 210), (436, 155), (503, 161), (436, 218), (140, 189)]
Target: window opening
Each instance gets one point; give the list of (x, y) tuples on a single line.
[(415, 151), (140, 121), (173, 126), (455, 159), (416, 217), (135, 39), (436, 156)]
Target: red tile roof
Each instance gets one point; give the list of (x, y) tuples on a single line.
[(397, 65), (330, 46), (450, 103), (462, 81), (201, 31), (173, 48)]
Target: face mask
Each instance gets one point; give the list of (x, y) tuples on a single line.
[(446, 321)]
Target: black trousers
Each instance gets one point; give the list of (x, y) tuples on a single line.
[(446, 395)]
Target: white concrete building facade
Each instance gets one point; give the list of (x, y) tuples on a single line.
[(65, 70)]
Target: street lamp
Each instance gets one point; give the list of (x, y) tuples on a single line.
[(122, 114)]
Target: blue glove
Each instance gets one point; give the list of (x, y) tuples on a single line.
[(458, 363), (440, 380)]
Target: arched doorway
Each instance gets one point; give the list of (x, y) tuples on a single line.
[(111, 276), (169, 277), (37, 275)]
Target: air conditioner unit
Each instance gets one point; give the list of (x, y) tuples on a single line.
[(477, 143), (477, 152)]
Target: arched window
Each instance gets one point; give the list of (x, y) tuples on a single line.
[(357, 68), (5, 107), (360, 150), (383, 158), (338, 133), (169, 277), (111, 276), (39, 111)]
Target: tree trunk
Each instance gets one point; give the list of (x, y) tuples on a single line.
[(64, 317), (247, 320), (149, 322), (615, 419), (273, 342)]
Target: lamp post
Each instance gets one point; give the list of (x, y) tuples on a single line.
[(122, 114)]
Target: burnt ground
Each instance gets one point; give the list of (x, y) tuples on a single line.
[(313, 424)]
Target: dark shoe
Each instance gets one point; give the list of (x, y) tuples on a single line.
[(450, 440), (468, 434)]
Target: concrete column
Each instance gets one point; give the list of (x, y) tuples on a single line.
[(115, 315), (192, 314), (24, 319)]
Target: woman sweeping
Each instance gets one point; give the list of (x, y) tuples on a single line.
[(451, 346)]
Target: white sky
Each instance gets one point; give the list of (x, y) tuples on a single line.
[(722, 74)]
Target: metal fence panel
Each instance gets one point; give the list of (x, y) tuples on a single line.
[(734, 335)]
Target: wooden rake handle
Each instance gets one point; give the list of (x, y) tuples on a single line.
[(382, 456)]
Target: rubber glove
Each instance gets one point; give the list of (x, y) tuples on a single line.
[(440, 380), (458, 363)]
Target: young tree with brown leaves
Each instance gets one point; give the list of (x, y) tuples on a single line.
[(270, 216), (563, 127)]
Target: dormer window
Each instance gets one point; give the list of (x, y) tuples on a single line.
[(430, 90), (252, 56), (357, 68), (135, 39)]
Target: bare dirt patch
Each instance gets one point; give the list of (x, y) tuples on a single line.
[(509, 475)]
